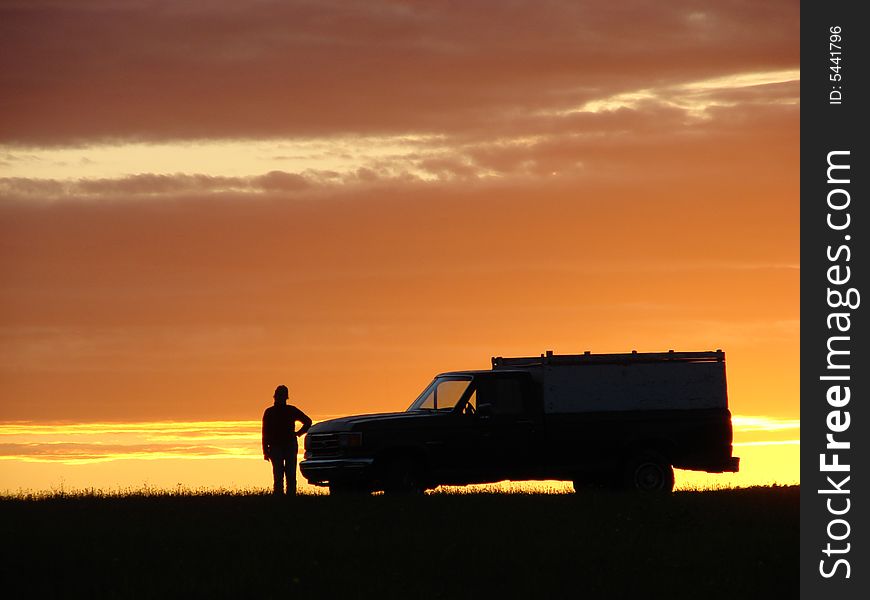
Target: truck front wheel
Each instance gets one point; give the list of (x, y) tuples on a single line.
[(403, 476), (649, 473)]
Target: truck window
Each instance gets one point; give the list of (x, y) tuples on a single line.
[(442, 394), (428, 401), (448, 393)]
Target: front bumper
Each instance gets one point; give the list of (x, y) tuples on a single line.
[(323, 470)]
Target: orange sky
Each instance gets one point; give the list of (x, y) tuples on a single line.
[(199, 203)]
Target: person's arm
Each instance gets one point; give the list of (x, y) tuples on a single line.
[(306, 423), (265, 443)]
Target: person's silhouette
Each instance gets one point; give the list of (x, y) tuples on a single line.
[(279, 439)]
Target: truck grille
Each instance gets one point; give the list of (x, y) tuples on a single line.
[(322, 445)]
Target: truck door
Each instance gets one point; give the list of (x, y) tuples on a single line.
[(509, 417)]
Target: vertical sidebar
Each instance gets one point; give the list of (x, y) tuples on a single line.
[(835, 369)]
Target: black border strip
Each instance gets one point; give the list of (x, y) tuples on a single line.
[(835, 225)]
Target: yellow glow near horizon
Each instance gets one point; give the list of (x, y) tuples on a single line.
[(226, 454)]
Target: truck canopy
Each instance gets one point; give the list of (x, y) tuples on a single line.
[(578, 383)]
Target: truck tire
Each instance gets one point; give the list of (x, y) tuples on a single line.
[(403, 475), (650, 473)]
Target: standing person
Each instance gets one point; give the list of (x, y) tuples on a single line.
[(279, 439)]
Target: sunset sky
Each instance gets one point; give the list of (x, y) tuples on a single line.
[(202, 200)]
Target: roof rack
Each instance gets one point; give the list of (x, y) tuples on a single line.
[(550, 358)]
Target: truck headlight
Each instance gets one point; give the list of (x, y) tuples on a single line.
[(350, 439)]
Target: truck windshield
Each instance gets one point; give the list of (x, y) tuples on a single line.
[(442, 394)]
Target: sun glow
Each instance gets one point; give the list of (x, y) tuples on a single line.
[(169, 453)]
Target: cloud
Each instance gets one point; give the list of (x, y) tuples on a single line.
[(280, 181), (97, 452), (143, 70), (747, 423), (84, 442), (152, 184), (769, 443), (654, 139)]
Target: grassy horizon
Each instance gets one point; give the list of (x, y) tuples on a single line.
[(181, 491)]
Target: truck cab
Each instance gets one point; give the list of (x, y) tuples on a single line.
[(465, 427)]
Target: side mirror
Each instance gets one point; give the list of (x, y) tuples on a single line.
[(484, 410)]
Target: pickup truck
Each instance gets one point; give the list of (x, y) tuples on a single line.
[(619, 421)]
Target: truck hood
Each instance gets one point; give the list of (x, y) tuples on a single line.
[(348, 423)]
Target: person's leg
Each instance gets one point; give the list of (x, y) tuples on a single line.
[(290, 470), (277, 460)]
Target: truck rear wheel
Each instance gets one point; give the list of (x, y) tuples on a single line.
[(649, 472)]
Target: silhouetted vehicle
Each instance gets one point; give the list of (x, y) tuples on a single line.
[(613, 420)]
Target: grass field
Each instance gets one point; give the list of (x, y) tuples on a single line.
[(739, 543)]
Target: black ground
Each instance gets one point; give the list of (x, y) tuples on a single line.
[(701, 545)]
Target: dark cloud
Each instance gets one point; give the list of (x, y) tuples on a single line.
[(84, 71), (149, 184), (279, 181)]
